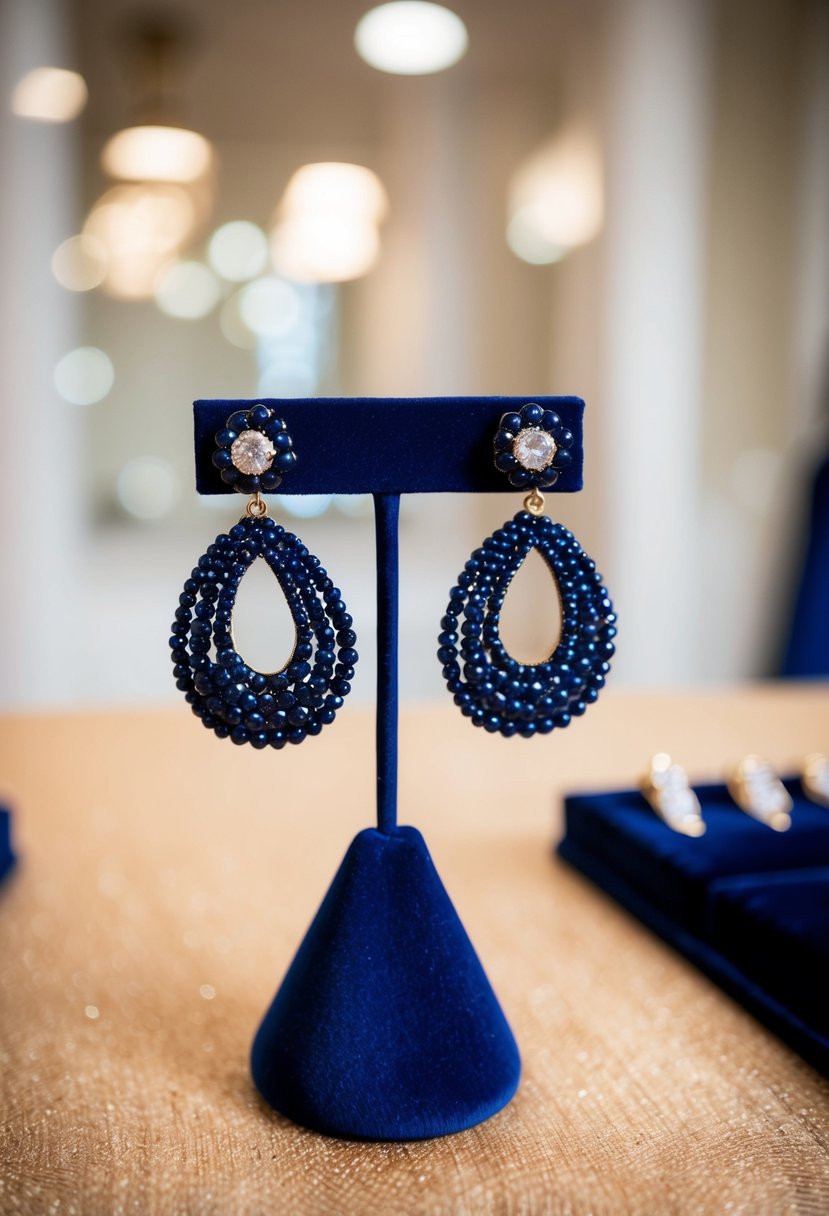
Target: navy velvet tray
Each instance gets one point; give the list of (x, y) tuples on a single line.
[(747, 905), (7, 857)]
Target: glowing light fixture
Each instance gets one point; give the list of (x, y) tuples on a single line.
[(158, 147), (79, 263), (238, 251), (556, 199), (49, 95), (156, 154), (411, 38), (335, 187), (84, 375), (187, 290), (140, 227), (324, 248), (326, 227)]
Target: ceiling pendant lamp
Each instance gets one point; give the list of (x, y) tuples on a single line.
[(411, 38), (327, 224), (159, 147)]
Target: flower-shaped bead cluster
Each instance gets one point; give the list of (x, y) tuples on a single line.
[(254, 450), (532, 446)]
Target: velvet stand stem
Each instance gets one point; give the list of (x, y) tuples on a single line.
[(386, 516)]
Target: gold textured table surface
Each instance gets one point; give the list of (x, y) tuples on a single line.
[(166, 879)]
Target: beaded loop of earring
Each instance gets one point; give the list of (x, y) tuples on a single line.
[(491, 688), (231, 699)]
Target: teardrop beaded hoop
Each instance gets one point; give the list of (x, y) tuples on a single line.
[(495, 690), (491, 688), (230, 697)]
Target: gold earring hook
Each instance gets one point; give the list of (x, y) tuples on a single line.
[(534, 502), (257, 508)]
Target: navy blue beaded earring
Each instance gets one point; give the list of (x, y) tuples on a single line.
[(492, 689), (253, 451)]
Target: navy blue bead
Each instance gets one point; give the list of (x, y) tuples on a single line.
[(231, 693), (257, 416)]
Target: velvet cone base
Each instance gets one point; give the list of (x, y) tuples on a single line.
[(385, 1026)]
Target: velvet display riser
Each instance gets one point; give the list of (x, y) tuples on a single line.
[(385, 1026)]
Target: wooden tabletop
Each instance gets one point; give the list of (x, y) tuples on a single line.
[(166, 879)]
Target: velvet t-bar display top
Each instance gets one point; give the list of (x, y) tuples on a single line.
[(389, 445)]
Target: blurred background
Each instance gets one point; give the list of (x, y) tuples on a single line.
[(622, 199)]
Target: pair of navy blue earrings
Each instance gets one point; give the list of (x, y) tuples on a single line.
[(253, 452)]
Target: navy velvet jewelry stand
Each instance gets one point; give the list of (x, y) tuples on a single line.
[(385, 1026)]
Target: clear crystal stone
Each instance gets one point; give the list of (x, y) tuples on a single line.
[(766, 791), (252, 453), (533, 448)]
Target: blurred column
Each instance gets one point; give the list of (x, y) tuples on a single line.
[(417, 320), (39, 477), (417, 326), (810, 354), (765, 326), (658, 76)]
